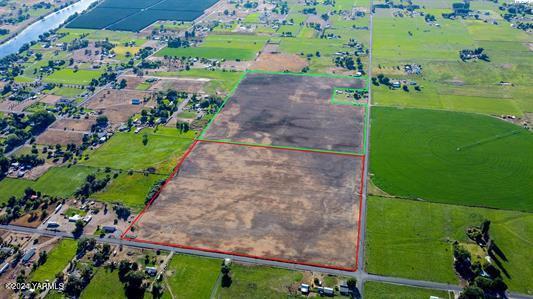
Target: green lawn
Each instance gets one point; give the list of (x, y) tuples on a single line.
[(126, 151), (259, 282), (413, 239), (104, 284), (192, 277), (130, 190), (57, 181), (143, 86), (58, 259), (187, 114), (452, 157), (69, 76), (68, 92), (377, 290), (224, 46)]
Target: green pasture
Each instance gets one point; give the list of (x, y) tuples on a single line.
[(222, 46), (191, 276), (57, 181), (69, 92), (378, 290), (129, 190), (452, 157), (413, 239), (104, 284), (126, 151), (259, 282), (58, 258), (70, 76)]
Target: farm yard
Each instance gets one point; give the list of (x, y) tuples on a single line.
[(319, 191), (117, 104)]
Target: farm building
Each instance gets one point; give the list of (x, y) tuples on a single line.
[(28, 255)]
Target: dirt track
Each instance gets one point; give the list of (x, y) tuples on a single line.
[(284, 204)]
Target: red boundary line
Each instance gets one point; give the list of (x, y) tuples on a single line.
[(178, 166)]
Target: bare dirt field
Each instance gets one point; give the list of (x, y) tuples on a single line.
[(271, 203), (279, 62), (116, 104), (180, 84), (15, 106), (66, 124), (291, 110), (50, 99), (54, 136)]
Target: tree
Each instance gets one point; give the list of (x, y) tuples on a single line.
[(123, 83), (74, 286), (102, 121), (78, 230), (226, 278), (472, 292), (352, 283), (145, 139), (42, 257), (157, 290)]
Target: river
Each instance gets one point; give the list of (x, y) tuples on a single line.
[(51, 21)]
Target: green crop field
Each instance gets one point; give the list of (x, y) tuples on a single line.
[(259, 282), (377, 290), (126, 151), (57, 181), (229, 47), (192, 277), (58, 258), (130, 190), (70, 76), (104, 284), (452, 157), (413, 239)]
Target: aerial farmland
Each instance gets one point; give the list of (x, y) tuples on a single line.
[(266, 149)]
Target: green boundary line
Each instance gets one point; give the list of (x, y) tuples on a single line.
[(243, 76), (306, 149), (364, 78)]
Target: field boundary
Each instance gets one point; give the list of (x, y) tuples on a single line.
[(243, 76), (124, 235)]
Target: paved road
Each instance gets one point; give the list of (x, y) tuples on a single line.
[(360, 275), (363, 208)]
